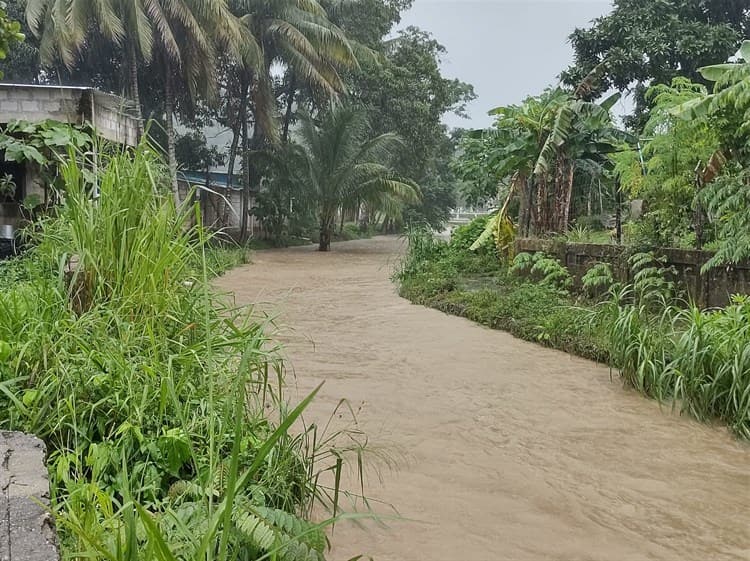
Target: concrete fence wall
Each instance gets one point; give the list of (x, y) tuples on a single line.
[(711, 289)]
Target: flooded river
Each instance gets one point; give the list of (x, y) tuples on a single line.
[(504, 449)]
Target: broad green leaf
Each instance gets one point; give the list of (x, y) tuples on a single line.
[(715, 72), (745, 50), (610, 102)]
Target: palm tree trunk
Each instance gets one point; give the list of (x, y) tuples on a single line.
[(236, 130), (245, 182), (326, 232), (135, 94), (169, 110), (230, 174), (289, 105)]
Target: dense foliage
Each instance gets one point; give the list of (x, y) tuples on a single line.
[(538, 153), (254, 69), (10, 33), (478, 286), (642, 44), (150, 393)]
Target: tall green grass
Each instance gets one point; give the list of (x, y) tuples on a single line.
[(697, 360), (153, 396)]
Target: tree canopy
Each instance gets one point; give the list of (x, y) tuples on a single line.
[(642, 43)]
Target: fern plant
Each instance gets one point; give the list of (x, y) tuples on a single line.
[(598, 279), (650, 279), (543, 269)]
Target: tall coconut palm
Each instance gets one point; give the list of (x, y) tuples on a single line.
[(297, 35), (178, 37), (344, 166)]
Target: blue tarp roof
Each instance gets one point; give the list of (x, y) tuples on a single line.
[(217, 179)]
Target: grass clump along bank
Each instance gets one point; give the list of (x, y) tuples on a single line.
[(478, 285), (698, 361), (152, 395)]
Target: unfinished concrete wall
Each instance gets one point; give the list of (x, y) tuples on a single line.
[(111, 119), (712, 289), (32, 103), (109, 114), (26, 529)]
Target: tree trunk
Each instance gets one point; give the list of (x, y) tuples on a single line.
[(567, 202), (289, 105), (169, 110), (341, 225), (236, 131), (542, 206), (618, 211), (135, 94), (245, 182), (524, 209), (326, 230)]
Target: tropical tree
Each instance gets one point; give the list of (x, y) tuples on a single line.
[(296, 36), (536, 150), (726, 195), (344, 166), (643, 43), (177, 37)]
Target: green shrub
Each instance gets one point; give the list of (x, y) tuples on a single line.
[(597, 280), (465, 235)]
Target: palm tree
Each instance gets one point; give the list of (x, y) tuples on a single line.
[(177, 37), (345, 167), (298, 35)]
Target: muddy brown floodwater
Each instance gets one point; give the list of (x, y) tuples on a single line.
[(506, 450)]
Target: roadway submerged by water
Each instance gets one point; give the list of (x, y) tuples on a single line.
[(504, 449)]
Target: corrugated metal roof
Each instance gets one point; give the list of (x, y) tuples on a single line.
[(216, 179)]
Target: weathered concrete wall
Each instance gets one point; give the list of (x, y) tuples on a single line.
[(38, 103), (109, 114), (26, 529), (112, 120), (712, 289)]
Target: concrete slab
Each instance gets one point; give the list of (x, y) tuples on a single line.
[(26, 529)]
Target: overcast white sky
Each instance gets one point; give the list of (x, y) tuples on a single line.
[(507, 49)]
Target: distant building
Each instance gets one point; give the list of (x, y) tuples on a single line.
[(219, 200), (109, 115)]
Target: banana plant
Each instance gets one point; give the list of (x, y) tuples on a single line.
[(731, 89)]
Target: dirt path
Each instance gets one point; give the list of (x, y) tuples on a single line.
[(511, 451)]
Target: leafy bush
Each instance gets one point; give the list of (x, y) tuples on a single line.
[(465, 235), (353, 231)]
